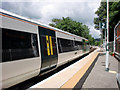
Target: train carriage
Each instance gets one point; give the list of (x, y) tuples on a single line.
[(29, 48), (117, 40)]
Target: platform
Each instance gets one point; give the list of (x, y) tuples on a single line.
[(88, 72), (99, 78), (68, 77)]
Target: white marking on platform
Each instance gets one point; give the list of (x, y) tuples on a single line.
[(114, 72)]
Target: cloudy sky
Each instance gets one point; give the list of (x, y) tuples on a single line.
[(45, 10)]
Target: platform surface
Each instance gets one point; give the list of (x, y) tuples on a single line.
[(68, 77), (99, 78), (72, 75)]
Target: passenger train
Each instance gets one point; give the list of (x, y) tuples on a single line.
[(117, 40), (30, 47)]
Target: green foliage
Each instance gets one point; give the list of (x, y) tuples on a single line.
[(114, 15), (74, 27), (101, 13), (98, 43)]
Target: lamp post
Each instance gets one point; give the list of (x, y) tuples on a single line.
[(107, 48), (105, 38)]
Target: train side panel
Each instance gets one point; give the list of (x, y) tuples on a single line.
[(63, 57), (117, 40), (66, 52), (19, 62)]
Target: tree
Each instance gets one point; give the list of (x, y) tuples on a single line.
[(114, 16), (67, 24), (74, 27)]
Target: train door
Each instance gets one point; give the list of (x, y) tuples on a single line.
[(48, 46)]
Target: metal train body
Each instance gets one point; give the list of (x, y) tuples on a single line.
[(117, 39), (29, 47)]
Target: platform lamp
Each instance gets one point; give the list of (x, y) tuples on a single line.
[(102, 25), (107, 48)]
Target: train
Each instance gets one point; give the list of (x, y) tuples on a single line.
[(114, 46), (30, 48), (117, 40)]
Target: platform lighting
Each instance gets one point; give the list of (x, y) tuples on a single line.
[(107, 49)]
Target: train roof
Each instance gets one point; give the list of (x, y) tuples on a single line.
[(36, 23)]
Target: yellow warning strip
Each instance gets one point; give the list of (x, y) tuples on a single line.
[(47, 42), (51, 45), (75, 79)]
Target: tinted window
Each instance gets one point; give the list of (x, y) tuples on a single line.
[(54, 46), (18, 45), (78, 45), (65, 45), (44, 45)]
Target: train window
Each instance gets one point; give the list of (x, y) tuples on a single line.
[(78, 45), (65, 45), (54, 46), (44, 45), (59, 46), (18, 45)]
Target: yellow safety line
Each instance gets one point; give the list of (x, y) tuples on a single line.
[(75, 79), (47, 42), (51, 45)]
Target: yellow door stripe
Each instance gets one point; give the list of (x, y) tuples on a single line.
[(47, 42), (51, 45)]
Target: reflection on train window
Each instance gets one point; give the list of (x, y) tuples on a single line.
[(44, 45), (78, 45), (18, 45), (65, 45), (54, 46)]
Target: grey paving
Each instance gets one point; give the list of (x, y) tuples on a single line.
[(99, 78)]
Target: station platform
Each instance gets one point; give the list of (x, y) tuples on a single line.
[(99, 78), (88, 72)]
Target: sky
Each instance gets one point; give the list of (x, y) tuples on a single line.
[(45, 10)]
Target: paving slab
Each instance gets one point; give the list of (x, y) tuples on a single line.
[(99, 78)]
